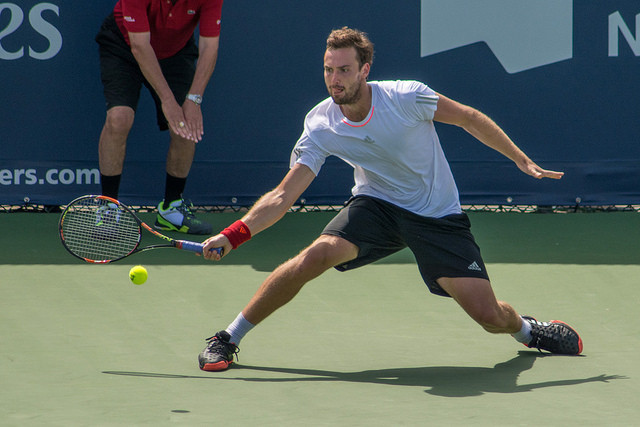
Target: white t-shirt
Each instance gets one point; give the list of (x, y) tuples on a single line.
[(395, 151)]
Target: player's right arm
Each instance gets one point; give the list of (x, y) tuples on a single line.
[(268, 209)]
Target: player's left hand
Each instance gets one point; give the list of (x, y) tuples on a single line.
[(531, 168)]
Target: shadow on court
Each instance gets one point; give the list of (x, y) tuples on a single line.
[(445, 381)]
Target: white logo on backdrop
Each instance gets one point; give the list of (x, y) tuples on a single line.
[(522, 34), (618, 26), (37, 23)]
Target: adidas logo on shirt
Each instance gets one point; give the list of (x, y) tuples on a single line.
[(474, 266)]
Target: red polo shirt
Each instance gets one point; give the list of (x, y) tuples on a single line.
[(171, 25)]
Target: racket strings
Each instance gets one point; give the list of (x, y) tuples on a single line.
[(100, 231)]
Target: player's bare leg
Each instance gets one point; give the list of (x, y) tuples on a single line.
[(286, 281), (279, 288), (476, 297), (113, 139)]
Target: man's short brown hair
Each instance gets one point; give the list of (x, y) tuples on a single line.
[(348, 37)]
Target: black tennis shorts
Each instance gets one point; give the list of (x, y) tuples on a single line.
[(443, 247), (122, 78)]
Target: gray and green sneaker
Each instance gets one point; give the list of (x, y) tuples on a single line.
[(107, 223), (178, 217), (108, 214)]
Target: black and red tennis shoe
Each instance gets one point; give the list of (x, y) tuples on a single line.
[(554, 336), (219, 352)]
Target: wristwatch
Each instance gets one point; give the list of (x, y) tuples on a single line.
[(197, 99)]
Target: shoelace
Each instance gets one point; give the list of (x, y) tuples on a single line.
[(185, 209), (546, 336), (217, 346), (537, 344)]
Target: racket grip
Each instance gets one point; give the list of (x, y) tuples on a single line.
[(194, 246)]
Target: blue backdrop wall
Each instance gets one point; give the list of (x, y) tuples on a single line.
[(560, 76)]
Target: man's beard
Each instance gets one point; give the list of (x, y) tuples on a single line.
[(347, 97)]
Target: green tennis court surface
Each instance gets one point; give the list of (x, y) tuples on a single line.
[(81, 345)]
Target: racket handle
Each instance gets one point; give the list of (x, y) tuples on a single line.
[(194, 246)]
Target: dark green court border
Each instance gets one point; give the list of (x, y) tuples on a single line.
[(573, 238)]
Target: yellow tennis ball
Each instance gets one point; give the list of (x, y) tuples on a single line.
[(138, 275)]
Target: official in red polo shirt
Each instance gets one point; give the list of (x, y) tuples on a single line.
[(152, 43)]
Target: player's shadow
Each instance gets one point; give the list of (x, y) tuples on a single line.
[(448, 381)]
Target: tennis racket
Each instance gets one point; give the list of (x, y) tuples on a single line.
[(100, 229)]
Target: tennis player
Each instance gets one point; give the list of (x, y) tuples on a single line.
[(404, 196), (151, 43)]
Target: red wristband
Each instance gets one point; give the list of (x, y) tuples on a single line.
[(237, 233)]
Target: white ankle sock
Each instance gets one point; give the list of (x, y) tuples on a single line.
[(239, 328), (524, 335)]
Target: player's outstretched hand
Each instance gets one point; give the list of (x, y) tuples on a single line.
[(531, 168), (217, 241)]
